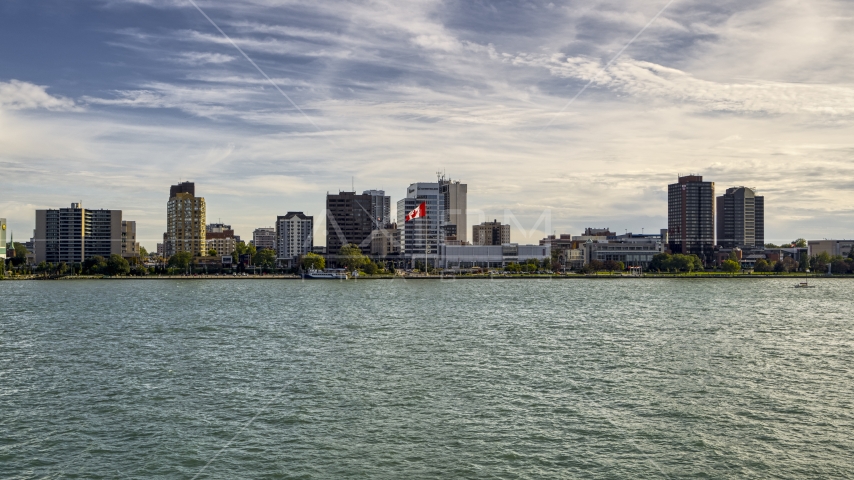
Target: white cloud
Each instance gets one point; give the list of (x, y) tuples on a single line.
[(18, 95)]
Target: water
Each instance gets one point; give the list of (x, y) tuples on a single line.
[(426, 379)]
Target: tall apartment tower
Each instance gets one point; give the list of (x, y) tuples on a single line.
[(691, 217), (74, 234), (422, 238), (380, 207), (490, 233), (185, 221), (350, 218), (456, 204), (741, 218), (294, 235)]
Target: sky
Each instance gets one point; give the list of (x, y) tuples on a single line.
[(558, 115)]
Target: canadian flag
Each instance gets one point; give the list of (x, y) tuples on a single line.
[(418, 212)]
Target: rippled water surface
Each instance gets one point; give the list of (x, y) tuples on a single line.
[(426, 379)]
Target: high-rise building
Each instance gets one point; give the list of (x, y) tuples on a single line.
[(380, 207), (185, 221), (691, 217), (741, 218), (2, 240), (74, 234), (220, 237), (422, 238), (456, 205), (490, 233), (294, 236), (130, 247), (264, 238), (349, 219)]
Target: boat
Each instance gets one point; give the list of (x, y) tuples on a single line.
[(324, 275), (804, 285)]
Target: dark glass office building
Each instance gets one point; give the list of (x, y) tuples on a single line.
[(691, 217)]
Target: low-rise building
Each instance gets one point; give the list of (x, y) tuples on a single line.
[(830, 247), (385, 242), (491, 256), (632, 250), (220, 237), (264, 238)]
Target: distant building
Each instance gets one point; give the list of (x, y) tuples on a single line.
[(220, 237), (380, 207), (490, 233), (422, 238), (264, 238), (74, 234), (598, 232), (160, 251), (294, 237), (491, 256), (350, 218), (130, 247), (385, 242), (456, 207), (830, 247), (740, 218), (185, 221), (691, 217)]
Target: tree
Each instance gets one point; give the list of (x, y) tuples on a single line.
[(117, 265), (613, 265), (659, 262), (819, 262), (788, 264), (732, 256), (730, 266), (242, 249), (62, 268), (21, 253), (94, 265), (265, 258), (799, 243), (839, 267), (142, 251), (762, 266), (181, 260), (351, 257), (312, 261), (371, 268), (771, 245), (212, 252)]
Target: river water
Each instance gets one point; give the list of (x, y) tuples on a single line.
[(655, 378)]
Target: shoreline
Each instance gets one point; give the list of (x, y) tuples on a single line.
[(449, 278)]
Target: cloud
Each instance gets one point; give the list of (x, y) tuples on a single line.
[(651, 81), (18, 95), (201, 58)]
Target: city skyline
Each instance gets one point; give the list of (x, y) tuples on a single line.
[(123, 97)]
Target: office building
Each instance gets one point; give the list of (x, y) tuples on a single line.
[(631, 249), (74, 234), (490, 233), (740, 218), (294, 237), (691, 217), (220, 237), (2, 239), (380, 207), (456, 206), (185, 221), (130, 247), (264, 238), (350, 218), (422, 238)]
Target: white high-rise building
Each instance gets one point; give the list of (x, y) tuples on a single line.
[(422, 238), (294, 236)]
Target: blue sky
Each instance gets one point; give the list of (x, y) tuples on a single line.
[(112, 101)]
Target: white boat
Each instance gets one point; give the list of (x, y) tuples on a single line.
[(324, 275), (804, 285)]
